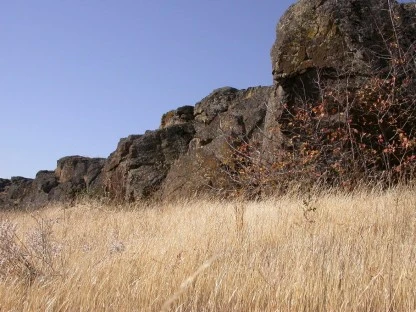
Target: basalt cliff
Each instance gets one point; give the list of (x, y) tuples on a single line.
[(341, 108)]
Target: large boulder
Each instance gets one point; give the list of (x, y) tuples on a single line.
[(343, 36)]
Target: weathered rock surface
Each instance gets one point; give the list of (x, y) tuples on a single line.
[(335, 45), (4, 183), (223, 118), (141, 162), (74, 175), (329, 41), (337, 35), (77, 175), (78, 169), (19, 189), (178, 116)]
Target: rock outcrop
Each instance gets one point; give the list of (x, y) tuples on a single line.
[(204, 148), (225, 117), (73, 176), (344, 77), (77, 175), (4, 183), (178, 116), (141, 162), (342, 36)]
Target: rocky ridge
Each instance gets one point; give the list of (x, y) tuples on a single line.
[(195, 149)]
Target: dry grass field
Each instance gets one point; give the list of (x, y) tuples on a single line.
[(324, 252)]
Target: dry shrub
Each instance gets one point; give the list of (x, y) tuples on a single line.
[(30, 256)]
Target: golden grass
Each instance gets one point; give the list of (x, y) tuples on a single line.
[(332, 252)]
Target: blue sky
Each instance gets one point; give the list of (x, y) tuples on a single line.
[(77, 75)]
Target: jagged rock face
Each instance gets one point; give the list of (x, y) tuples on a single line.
[(225, 116), (74, 175), (333, 44), (28, 193), (178, 116), (337, 35), (45, 181), (228, 114), (185, 154), (326, 56), (19, 189), (4, 183), (78, 169), (41, 189), (140, 163)]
